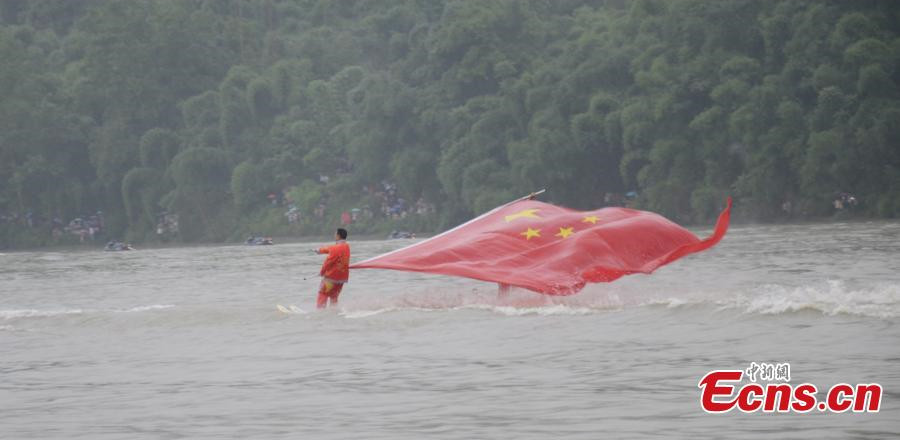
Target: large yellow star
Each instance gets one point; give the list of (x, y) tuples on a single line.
[(591, 219), (565, 232), (531, 233), (526, 213)]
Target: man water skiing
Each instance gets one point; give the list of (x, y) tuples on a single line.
[(335, 270)]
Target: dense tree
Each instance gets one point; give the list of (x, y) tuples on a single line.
[(206, 109)]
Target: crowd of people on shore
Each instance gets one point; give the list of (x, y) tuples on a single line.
[(389, 205), (85, 227), (166, 224), (843, 200), (394, 206), (385, 196)]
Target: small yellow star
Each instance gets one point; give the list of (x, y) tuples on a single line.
[(531, 233), (526, 213), (565, 232), (591, 219)]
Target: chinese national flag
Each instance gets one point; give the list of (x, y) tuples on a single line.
[(550, 249)]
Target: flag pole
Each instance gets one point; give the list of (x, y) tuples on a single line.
[(529, 196), (537, 193)]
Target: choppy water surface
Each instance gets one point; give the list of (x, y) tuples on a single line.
[(187, 343)]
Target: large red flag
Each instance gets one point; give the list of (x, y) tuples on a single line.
[(550, 249)]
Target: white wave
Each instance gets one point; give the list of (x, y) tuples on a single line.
[(356, 314), (834, 298), (32, 313), (558, 309), (146, 308), (544, 310), (52, 256), (671, 303), (507, 310), (4, 328), (830, 298)]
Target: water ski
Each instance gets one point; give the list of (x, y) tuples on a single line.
[(289, 309)]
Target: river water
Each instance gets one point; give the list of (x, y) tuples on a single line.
[(187, 343)]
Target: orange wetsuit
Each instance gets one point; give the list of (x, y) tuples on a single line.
[(335, 272)]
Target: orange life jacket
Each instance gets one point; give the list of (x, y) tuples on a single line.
[(337, 266)]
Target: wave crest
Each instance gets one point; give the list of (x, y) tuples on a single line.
[(835, 298), (830, 298), (35, 313)]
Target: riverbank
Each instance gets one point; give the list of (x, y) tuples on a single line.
[(98, 245), (325, 237), (235, 231)]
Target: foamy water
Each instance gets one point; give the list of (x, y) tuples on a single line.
[(187, 343)]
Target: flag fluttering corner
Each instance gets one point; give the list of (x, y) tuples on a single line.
[(550, 249)]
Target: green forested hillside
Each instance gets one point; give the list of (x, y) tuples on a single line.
[(274, 117)]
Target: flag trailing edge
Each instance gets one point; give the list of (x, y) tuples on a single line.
[(550, 249)]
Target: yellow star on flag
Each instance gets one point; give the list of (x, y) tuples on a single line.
[(525, 213), (531, 233), (565, 232), (591, 219)]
